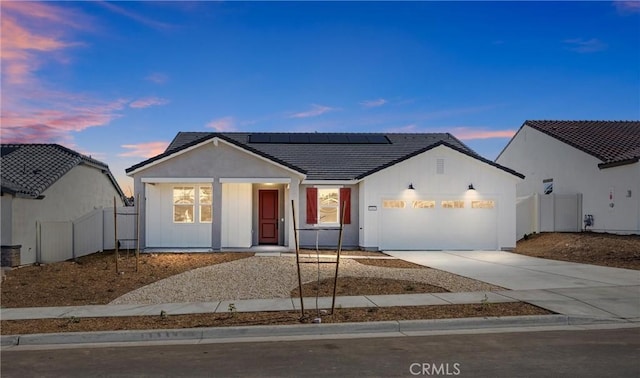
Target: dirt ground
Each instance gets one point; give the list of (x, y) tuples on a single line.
[(619, 251), (93, 280), (11, 327)]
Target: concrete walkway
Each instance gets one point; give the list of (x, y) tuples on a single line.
[(563, 287), (252, 305), (583, 296)]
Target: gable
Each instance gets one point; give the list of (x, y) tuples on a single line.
[(613, 143), (213, 158), (28, 170)]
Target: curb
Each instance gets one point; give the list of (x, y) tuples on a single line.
[(385, 327)]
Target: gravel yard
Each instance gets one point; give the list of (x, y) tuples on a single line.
[(275, 277)]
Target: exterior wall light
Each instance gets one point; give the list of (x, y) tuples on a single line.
[(411, 187), (471, 187)]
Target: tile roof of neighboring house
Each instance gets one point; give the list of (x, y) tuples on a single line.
[(27, 170), (326, 160), (613, 142)]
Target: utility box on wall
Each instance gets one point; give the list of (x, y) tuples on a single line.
[(10, 255)]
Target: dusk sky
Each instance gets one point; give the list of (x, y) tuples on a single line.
[(118, 80)]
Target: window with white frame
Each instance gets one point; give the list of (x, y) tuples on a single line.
[(206, 204), (328, 205), (185, 204)]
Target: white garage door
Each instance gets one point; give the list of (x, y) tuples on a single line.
[(438, 223)]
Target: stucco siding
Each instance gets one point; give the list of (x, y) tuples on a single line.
[(611, 195), (213, 162), (457, 172), (77, 193), (6, 206)]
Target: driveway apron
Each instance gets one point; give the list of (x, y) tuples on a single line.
[(564, 287)]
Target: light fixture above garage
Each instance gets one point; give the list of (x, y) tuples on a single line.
[(471, 187), (411, 187)]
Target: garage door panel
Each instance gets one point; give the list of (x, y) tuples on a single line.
[(435, 228)]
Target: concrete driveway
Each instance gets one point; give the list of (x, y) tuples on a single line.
[(563, 287)]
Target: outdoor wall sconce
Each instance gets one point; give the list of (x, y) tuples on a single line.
[(411, 187), (471, 187)]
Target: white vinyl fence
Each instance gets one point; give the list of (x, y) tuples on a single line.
[(93, 232), (548, 213)]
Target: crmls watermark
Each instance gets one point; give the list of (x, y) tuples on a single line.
[(430, 368)]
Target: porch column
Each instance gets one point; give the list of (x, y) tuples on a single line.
[(294, 194), (216, 224)]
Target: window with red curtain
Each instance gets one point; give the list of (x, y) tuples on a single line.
[(325, 205)]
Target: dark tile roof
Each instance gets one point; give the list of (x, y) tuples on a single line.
[(329, 161), (29, 169), (613, 142)]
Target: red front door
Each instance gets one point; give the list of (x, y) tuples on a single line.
[(268, 217)]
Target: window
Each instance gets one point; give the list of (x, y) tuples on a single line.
[(483, 204), (328, 204), (206, 204), (394, 204), (452, 204), (421, 204), (183, 204)]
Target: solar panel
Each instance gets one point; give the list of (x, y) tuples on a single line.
[(378, 139), (299, 138), (338, 139), (318, 138), (259, 138), (6, 150), (358, 138), (279, 138)]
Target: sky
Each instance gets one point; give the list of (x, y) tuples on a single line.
[(118, 80)]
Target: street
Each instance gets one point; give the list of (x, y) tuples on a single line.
[(585, 353)]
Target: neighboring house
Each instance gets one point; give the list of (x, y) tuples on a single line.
[(595, 161), (47, 184), (235, 190)]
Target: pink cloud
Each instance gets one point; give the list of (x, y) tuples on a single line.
[(627, 6), (462, 133), (55, 125), (157, 77), (314, 112), (144, 150), (33, 35), (412, 128), (134, 16), (373, 103), (222, 124), (147, 102), (468, 133), (29, 29)]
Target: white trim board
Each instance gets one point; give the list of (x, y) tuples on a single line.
[(254, 180), (161, 180)]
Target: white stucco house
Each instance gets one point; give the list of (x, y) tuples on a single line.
[(48, 184), (598, 161), (401, 191)]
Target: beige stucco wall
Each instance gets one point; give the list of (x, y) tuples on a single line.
[(78, 192), (539, 156)]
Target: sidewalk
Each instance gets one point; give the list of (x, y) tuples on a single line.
[(580, 294), (251, 305)]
